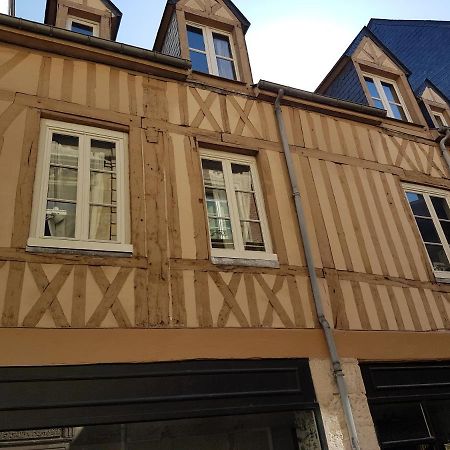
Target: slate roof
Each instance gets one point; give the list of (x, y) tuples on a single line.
[(422, 45)]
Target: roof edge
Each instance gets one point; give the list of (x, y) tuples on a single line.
[(95, 42), (319, 98)]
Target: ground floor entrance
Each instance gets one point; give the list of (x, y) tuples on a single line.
[(410, 404), (193, 405)]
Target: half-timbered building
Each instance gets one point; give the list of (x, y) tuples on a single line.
[(192, 260)]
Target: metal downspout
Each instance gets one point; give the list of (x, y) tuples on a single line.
[(443, 143), (337, 366), (12, 8)]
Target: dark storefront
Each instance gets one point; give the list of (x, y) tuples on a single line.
[(410, 404), (238, 405)]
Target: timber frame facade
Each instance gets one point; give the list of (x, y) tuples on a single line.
[(168, 301)]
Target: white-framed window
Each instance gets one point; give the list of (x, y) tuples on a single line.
[(237, 220), (431, 210), (83, 26), (81, 189), (211, 51), (386, 95), (439, 118)]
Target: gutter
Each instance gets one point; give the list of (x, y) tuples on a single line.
[(91, 41), (317, 296), (329, 101), (443, 142)]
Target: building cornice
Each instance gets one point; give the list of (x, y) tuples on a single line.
[(41, 37)]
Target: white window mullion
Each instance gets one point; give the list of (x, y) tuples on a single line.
[(233, 207), (45, 182), (120, 193), (210, 50), (83, 190), (261, 208)]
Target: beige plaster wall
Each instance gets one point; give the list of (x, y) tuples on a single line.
[(331, 409)]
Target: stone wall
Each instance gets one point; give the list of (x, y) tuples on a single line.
[(331, 408)]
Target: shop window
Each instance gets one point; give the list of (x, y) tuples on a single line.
[(410, 425), (431, 210), (211, 51), (235, 208), (279, 431), (81, 189), (400, 423)]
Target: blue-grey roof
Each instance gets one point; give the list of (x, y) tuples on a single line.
[(366, 32), (422, 45)]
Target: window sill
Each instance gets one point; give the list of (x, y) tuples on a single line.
[(79, 248), (444, 280), (246, 262)]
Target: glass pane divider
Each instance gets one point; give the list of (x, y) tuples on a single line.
[(63, 166), (60, 200), (111, 172), (104, 205)]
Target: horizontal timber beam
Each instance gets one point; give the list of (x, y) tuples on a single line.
[(39, 347)]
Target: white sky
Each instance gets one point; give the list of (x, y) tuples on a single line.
[(292, 42), (4, 6)]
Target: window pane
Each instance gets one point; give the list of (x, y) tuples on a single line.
[(226, 69), (242, 177), (372, 88), (82, 28), (428, 230), (199, 62), (60, 219), (398, 112), (62, 184), (418, 205), (439, 413), (103, 188), (213, 173), (390, 92), (446, 227), (252, 236), (222, 45), (217, 203), (103, 223), (64, 150), (399, 422), (221, 233), (438, 257), (441, 207), (247, 206), (195, 38), (378, 104), (103, 155), (439, 120)]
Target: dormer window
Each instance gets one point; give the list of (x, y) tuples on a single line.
[(83, 26), (211, 51), (384, 94), (438, 116)]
